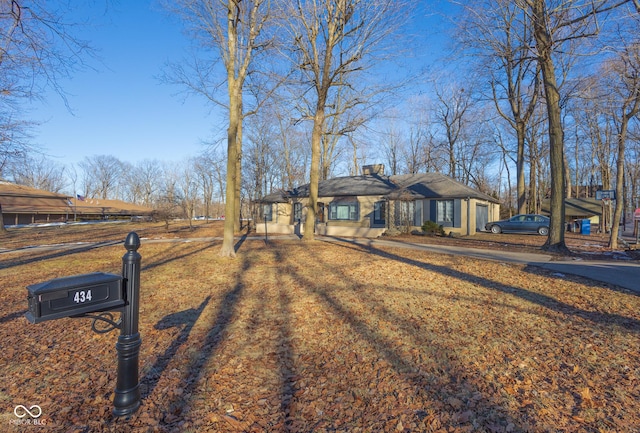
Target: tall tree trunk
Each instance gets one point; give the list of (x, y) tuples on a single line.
[(237, 213), (555, 241), (533, 188), (2, 227), (567, 177), (235, 105), (312, 206), (228, 249), (520, 183), (617, 213)]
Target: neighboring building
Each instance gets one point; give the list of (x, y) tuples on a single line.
[(100, 209), (579, 208), (25, 205), (370, 204)]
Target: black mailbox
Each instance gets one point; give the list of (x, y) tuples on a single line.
[(74, 295)]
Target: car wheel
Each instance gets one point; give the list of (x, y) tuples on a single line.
[(544, 231), (496, 229)]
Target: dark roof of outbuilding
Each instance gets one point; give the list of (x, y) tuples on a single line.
[(409, 186), (576, 207)]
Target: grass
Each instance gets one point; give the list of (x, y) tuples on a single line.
[(326, 337)]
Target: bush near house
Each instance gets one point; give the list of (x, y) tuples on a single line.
[(432, 228)]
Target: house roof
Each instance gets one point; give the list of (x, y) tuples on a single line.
[(22, 199), (576, 207), (433, 185), (411, 186), (108, 207), (348, 186)]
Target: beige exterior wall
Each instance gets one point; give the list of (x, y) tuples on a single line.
[(468, 216), (365, 210), (283, 223)]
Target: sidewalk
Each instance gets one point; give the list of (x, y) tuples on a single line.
[(625, 274)]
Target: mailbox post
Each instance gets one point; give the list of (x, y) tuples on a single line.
[(127, 394), (81, 295)]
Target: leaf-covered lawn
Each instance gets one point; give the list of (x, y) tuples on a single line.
[(325, 337)]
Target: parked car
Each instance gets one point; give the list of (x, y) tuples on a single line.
[(529, 223)]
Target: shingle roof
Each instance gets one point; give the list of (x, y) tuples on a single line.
[(433, 185), (108, 207), (576, 207), (22, 199), (349, 186), (414, 186)]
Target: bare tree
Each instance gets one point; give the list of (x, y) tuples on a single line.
[(622, 74), (205, 177), (420, 146), (101, 176), (556, 24), (39, 172), (37, 51), (451, 113), (294, 157), (261, 139), (187, 190), (332, 42), (393, 145), (146, 180), (15, 139), (233, 28), (499, 31), (594, 120), (168, 205)]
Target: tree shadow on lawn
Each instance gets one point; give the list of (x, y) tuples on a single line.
[(452, 374), (452, 380), (533, 297), (61, 251), (194, 370), (168, 256), (184, 319), (288, 371)]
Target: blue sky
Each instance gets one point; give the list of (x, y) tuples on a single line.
[(122, 109)]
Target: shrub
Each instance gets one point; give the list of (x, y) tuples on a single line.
[(432, 228)]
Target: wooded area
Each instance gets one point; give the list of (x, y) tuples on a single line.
[(538, 99)]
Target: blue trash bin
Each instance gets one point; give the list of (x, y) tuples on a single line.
[(585, 227)]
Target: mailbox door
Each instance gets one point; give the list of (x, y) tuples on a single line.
[(73, 296)]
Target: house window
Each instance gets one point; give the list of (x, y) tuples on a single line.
[(444, 211), (268, 215), (379, 212), (344, 211), (297, 212), (406, 214)]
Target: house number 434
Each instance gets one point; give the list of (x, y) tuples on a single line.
[(82, 296)]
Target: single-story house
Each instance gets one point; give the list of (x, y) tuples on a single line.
[(100, 209), (370, 204), (23, 205)]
